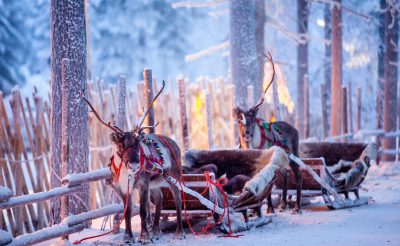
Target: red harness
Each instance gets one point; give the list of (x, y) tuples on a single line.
[(117, 170), (275, 141)]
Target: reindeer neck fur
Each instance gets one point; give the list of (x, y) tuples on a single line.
[(276, 158)]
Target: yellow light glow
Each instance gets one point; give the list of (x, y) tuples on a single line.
[(283, 91)]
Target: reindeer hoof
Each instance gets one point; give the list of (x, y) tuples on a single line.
[(145, 239), (179, 235), (156, 233), (270, 210), (297, 211), (128, 237)]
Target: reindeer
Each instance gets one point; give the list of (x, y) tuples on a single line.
[(141, 161), (256, 133)]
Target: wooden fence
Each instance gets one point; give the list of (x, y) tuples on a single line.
[(205, 105)]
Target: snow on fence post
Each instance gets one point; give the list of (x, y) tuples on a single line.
[(344, 113), (233, 122), (17, 166), (65, 130), (350, 108), (121, 102), (358, 109), (209, 122), (74, 150), (148, 94), (379, 125), (306, 107), (184, 121), (324, 112)]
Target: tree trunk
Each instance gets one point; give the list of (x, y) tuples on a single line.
[(381, 62), (244, 62), (390, 96), (327, 60), (68, 40), (302, 63), (336, 76), (260, 22)]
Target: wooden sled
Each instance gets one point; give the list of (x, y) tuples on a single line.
[(315, 162)]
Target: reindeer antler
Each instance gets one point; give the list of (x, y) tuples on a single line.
[(261, 100), (139, 126), (116, 129)]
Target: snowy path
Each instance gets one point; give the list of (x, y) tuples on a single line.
[(375, 224)]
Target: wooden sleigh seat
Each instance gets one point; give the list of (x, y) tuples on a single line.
[(321, 157), (194, 208)]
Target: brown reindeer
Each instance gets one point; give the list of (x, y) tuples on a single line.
[(140, 161), (256, 133)]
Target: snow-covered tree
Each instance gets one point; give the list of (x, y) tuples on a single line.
[(68, 40), (13, 44), (244, 62), (391, 75)]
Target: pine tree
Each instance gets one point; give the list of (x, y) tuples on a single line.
[(13, 45)]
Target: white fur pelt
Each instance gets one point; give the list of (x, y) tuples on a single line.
[(278, 159)]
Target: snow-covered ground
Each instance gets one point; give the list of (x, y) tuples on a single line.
[(378, 223)]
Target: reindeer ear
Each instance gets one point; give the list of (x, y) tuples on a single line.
[(237, 111)]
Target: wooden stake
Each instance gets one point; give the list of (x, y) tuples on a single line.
[(358, 108), (350, 108), (344, 112), (148, 84), (184, 122), (324, 112), (306, 124), (209, 123)]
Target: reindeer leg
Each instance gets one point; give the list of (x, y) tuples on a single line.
[(143, 212), (179, 233), (297, 175), (245, 216), (346, 195), (128, 236), (270, 208), (357, 194), (283, 204), (156, 196)]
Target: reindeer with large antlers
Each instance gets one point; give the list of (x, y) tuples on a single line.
[(140, 161), (256, 133)]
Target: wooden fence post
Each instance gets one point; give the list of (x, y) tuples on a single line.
[(148, 83), (306, 123), (121, 102), (75, 130), (324, 112), (209, 122), (233, 122), (65, 126), (350, 107), (184, 123), (344, 112), (358, 108)]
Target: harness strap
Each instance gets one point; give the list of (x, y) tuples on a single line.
[(263, 134), (117, 170)]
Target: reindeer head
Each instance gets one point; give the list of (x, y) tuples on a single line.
[(247, 118), (127, 144)]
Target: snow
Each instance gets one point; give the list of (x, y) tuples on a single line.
[(5, 193), (5, 237), (377, 223)]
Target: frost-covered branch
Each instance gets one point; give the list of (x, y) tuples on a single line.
[(208, 51), (339, 5)]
